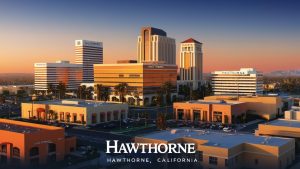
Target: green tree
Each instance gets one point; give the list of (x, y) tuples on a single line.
[(89, 93), (98, 91), (2, 99), (105, 93), (80, 92), (136, 96), (161, 121), (21, 93), (61, 88), (166, 88), (51, 114), (51, 89), (122, 89), (5, 93), (184, 90)]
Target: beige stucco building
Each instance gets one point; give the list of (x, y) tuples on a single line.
[(267, 107), (288, 127), (222, 150), (79, 112), (226, 112), (191, 63)]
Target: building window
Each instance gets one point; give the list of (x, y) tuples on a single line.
[(116, 115), (256, 161), (217, 116), (3, 148), (94, 118), (51, 147), (34, 151), (213, 160), (226, 162), (16, 152), (200, 155), (236, 159)]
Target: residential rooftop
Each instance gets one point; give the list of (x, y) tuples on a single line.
[(77, 103), (216, 139)]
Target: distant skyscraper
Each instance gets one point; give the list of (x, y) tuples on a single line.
[(54, 73), (88, 53), (154, 45), (191, 63), (246, 81)]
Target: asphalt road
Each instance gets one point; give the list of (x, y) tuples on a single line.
[(97, 138)]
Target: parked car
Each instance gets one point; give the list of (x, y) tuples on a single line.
[(227, 129)]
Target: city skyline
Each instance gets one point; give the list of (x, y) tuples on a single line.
[(257, 34)]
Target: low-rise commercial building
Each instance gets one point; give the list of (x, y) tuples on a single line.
[(24, 144), (78, 112), (224, 150), (267, 107), (210, 110), (144, 80), (292, 114), (13, 89), (288, 127)]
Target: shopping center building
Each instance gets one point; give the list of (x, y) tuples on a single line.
[(73, 111), (23, 144)]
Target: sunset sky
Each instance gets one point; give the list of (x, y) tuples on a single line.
[(263, 34)]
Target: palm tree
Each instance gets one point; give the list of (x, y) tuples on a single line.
[(166, 88), (51, 114), (80, 92), (89, 92), (51, 89), (105, 93), (61, 88), (98, 89), (122, 90), (161, 121), (136, 95), (159, 98)]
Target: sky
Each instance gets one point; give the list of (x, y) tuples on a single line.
[(263, 34)]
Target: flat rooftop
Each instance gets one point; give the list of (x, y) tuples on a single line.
[(217, 139), (225, 102), (77, 103), (24, 127), (285, 123), (17, 128)]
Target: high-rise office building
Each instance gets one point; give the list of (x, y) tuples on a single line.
[(54, 73), (246, 81), (154, 45), (88, 53), (191, 63)]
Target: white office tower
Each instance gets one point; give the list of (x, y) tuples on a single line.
[(155, 46), (46, 74), (191, 63), (246, 81), (88, 53)]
